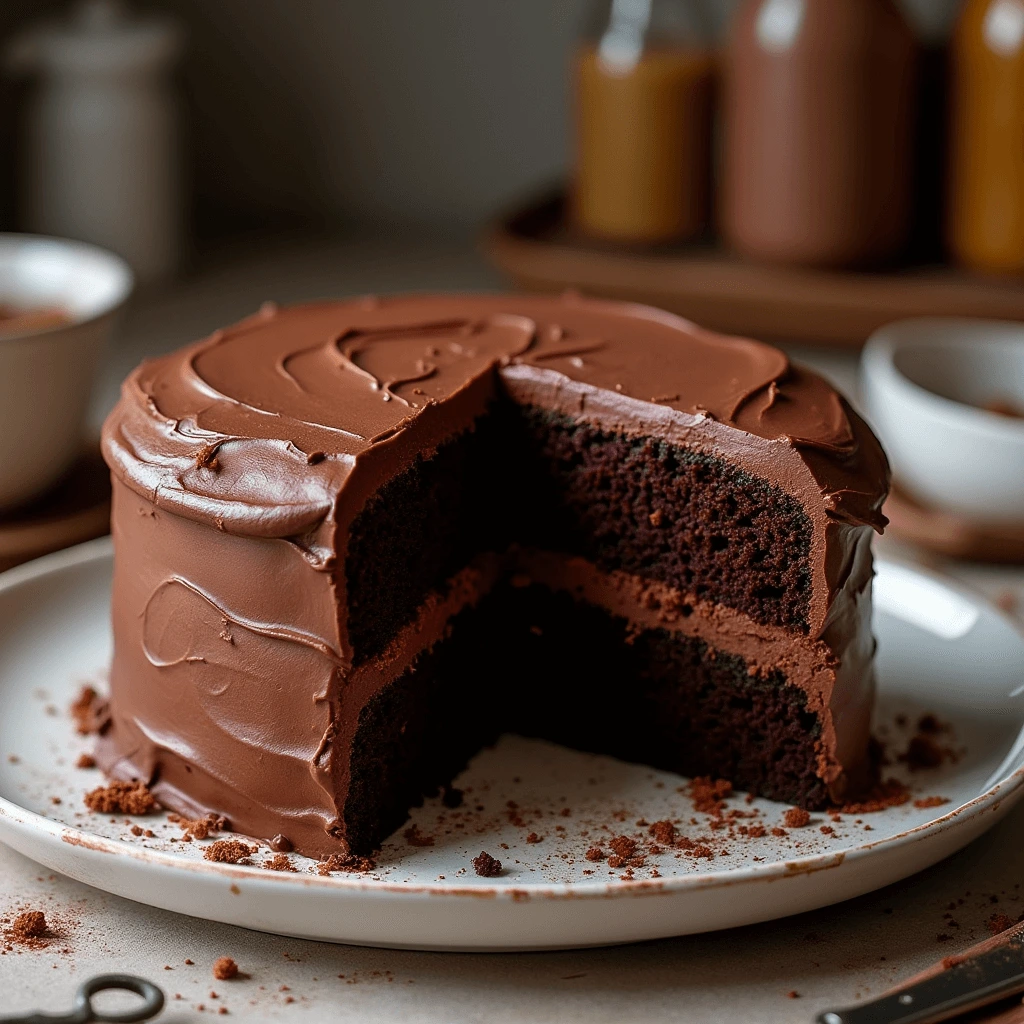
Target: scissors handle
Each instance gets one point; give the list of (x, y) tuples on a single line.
[(85, 1013)]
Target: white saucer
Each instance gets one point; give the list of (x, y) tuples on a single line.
[(942, 650)]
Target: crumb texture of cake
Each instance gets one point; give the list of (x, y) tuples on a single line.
[(346, 533)]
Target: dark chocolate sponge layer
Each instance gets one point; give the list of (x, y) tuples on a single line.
[(653, 697), (640, 505)]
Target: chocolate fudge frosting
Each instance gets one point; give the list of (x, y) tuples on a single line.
[(276, 431), (311, 395)]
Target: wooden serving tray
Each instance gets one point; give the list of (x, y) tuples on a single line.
[(536, 248), (75, 510)]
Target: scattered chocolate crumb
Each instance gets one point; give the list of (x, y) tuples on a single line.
[(931, 801), (923, 752), (229, 851), (796, 817), (534, 838), (779, 831), (121, 798), (792, 994), (85, 761), (451, 797), (1007, 601), (225, 969), (595, 854), (29, 924), (414, 837), (135, 830), (345, 862), (891, 793), (198, 829), (828, 830), (664, 832), (709, 795), (188, 962), (999, 923), (486, 866), (623, 846), (279, 862), (89, 712)]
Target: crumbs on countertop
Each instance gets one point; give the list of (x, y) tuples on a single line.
[(224, 969)]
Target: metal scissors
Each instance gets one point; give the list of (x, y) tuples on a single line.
[(85, 1013)]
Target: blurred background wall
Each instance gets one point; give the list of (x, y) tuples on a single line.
[(290, 122)]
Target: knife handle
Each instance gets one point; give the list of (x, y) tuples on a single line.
[(994, 972)]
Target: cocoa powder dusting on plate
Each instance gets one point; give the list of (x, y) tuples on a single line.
[(931, 801), (414, 837)]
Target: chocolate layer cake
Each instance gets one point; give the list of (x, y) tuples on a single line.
[(357, 541)]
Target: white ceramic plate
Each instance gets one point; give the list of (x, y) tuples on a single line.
[(942, 650)]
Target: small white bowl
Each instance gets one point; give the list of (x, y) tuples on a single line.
[(925, 384), (46, 376)]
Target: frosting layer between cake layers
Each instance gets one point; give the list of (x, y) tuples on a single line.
[(242, 464)]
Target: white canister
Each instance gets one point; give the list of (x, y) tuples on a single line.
[(101, 156)]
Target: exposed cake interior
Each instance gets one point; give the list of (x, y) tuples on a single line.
[(524, 480)]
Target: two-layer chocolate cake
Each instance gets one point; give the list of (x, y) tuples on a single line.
[(356, 541)]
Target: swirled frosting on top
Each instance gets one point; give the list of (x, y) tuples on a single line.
[(260, 427)]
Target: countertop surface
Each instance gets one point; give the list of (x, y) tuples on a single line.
[(782, 971)]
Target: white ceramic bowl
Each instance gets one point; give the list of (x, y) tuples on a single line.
[(46, 376), (925, 385)]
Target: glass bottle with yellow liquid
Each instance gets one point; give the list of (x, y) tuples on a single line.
[(986, 173), (644, 83)]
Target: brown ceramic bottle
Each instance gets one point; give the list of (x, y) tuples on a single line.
[(818, 128), (643, 123), (986, 211)]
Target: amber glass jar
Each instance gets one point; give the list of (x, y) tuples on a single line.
[(818, 125), (986, 172), (643, 95)]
